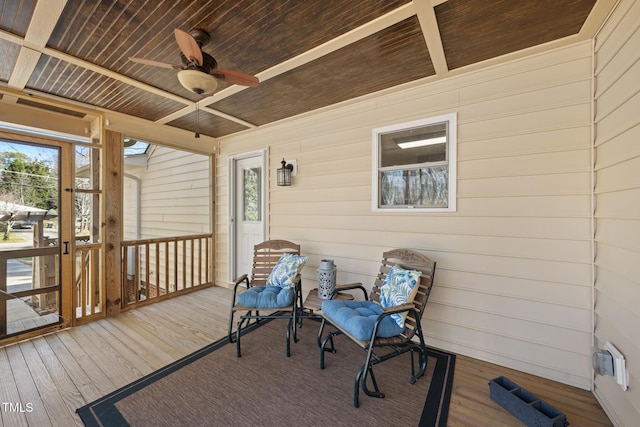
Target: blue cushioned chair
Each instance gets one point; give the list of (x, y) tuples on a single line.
[(374, 324), (262, 299)]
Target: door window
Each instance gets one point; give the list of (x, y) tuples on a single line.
[(29, 247), (251, 190)]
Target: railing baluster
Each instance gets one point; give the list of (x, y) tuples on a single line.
[(167, 285), (175, 264), (184, 263), (146, 272), (157, 265), (192, 261), (83, 283)]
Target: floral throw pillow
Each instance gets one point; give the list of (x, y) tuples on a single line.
[(286, 270), (399, 287)]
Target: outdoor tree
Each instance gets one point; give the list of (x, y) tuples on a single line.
[(25, 181), (83, 206), (8, 225), (31, 182)]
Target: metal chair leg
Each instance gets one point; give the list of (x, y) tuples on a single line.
[(230, 332), (367, 370), (289, 327), (323, 344), (238, 354), (356, 387)]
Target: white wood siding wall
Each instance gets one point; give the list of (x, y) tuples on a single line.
[(131, 196), (175, 194), (174, 200), (617, 213), (513, 282)]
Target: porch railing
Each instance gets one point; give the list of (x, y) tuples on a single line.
[(88, 289), (154, 269)]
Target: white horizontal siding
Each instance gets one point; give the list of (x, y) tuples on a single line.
[(617, 213), (130, 208), (174, 196), (513, 279)]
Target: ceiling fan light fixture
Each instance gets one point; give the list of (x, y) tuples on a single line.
[(197, 81)]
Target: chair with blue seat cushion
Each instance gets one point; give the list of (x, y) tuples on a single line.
[(387, 322), (274, 288)]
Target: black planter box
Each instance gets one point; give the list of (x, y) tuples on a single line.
[(525, 406)]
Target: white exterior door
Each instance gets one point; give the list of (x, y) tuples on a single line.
[(248, 216)]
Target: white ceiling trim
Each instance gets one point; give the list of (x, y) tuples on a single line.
[(44, 19), (23, 68), (431, 31), (598, 16)]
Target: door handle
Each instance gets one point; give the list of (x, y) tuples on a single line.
[(66, 248)]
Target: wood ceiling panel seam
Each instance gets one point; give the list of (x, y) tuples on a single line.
[(326, 48), (69, 28), (21, 14), (45, 62), (150, 45)]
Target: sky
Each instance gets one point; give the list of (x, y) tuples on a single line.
[(35, 152)]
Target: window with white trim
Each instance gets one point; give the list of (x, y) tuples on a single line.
[(414, 165)]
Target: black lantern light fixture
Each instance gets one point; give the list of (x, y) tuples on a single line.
[(284, 174)]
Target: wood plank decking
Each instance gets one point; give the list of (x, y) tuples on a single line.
[(53, 375)]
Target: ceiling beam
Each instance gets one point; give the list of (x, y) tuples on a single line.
[(44, 19), (23, 68), (431, 32), (229, 117)]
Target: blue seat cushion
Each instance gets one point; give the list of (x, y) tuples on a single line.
[(266, 297), (359, 317)]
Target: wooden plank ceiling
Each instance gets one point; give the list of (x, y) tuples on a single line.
[(307, 54)]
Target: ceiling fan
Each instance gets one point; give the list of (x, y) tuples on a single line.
[(199, 72)]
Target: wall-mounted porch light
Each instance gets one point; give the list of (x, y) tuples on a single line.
[(284, 173)]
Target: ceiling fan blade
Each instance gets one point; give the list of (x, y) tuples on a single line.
[(155, 63), (188, 45), (235, 77)]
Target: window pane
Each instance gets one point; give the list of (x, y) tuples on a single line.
[(423, 187), (416, 165), (424, 144), (251, 192)]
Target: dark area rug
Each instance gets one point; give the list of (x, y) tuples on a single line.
[(212, 387)]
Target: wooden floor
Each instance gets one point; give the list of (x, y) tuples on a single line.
[(49, 377)]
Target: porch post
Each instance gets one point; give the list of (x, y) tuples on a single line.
[(112, 148)]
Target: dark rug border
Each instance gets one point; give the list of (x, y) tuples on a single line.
[(103, 412), (436, 405)]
